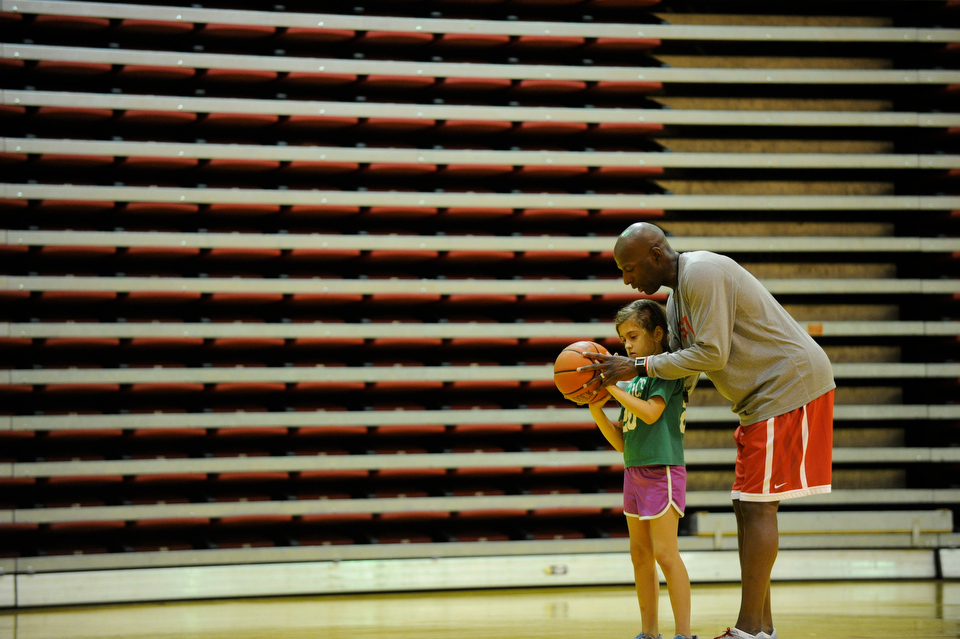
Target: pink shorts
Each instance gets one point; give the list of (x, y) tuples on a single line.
[(649, 490), (787, 456)]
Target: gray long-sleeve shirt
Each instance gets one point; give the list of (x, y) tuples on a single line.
[(725, 324)]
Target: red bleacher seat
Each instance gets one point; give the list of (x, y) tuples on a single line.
[(81, 342), (240, 165), (77, 297), (72, 68), (474, 127), (553, 128), (475, 84), (628, 172), (77, 207), (397, 38), (157, 163), (398, 169), (396, 125), (398, 256), (85, 526), (237, 31), (245, 254), (400, 212), (314, 35), (319, 167), (473, 40), (229, 209), (549, 86), (477, 213), (240, 120), (319, 212), (162, 209), (307, 79), (73, 160), (477, 171), (72, 114), (479, 256), (397, 82), (80, 23), (75, 252), (154, 27), (149, 72), (548, 42), (162, 297)]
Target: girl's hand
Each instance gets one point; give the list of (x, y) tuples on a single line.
[(598, 404)]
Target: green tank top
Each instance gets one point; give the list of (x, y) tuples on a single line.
[(659, 443)]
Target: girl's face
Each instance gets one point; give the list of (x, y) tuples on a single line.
[(638, 341)]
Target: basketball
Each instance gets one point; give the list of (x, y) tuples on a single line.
[(576, 386)]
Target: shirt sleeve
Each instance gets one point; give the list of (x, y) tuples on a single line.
[(708, 300)]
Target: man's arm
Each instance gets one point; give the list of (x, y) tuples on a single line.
[(710, 307)]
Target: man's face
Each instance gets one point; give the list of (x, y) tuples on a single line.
[(639, 265)]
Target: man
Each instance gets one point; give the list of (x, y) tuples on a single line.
[(726, 325)]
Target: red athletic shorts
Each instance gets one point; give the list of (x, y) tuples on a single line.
[(787, 456)]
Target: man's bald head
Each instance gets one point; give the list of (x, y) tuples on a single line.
[(640, 236), (646, 258)]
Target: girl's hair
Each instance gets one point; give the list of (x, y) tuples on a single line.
[(649, 315)]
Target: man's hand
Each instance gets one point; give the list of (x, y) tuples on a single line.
[(613, 368)]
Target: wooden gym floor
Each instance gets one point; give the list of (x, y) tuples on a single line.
[(835, 610)]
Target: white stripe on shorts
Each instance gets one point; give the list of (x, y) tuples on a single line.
[(768, 460), (805, 436)]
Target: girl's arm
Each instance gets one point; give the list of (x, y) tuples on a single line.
[(610, 430), (646, 410)]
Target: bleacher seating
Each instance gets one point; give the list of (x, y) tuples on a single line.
[(283, 285)]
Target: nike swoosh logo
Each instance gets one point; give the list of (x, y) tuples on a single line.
[(779, 486)]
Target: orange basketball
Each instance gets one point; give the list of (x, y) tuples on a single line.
[(578, 387)]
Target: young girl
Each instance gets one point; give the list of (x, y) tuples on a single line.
[(650, 436)]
